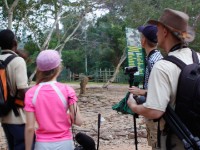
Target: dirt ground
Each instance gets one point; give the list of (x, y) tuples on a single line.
[(116, 130)]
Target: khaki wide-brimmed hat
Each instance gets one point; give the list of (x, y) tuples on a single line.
[(177, 22)]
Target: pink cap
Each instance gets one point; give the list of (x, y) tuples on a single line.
[(48, 60)]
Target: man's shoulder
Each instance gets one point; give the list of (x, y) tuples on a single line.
[(3, 57), (157, 52), (156, 56), (15, 64), (164, 65), (184, 54), (10, 60), (198, 54)]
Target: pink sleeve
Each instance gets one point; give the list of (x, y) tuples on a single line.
[(28, 101), (72, 98)]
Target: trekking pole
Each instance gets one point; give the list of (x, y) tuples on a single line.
[(135, 127), (135, 131), (99, 124), (131, 81), (130, 71)]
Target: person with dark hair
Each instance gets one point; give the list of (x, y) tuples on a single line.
[(53, 105), (14, 123), (173, 35), (149, 43)]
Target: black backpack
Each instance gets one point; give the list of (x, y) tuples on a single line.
[(6, 101), (188, 93)]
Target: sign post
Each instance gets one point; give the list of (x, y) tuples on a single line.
[(135, 53), (135, 59)]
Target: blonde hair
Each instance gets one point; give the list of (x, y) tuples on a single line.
[(45, 76)]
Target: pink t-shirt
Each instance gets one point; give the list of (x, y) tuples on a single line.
[(50, 112)]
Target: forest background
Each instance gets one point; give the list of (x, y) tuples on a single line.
[(89, 34)]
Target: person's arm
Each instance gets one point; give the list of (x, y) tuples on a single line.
[(21, 93), (29, 130), (141, 110), (20, 72), (137, 91), (75, 114)]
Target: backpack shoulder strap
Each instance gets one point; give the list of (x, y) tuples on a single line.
[(176, 61), (195, 57), (8, 60), (5, 63)]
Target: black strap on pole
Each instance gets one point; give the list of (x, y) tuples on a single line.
[(99, 124), (135, 131)]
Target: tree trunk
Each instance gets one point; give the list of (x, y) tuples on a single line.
[(31, 77), (46, 43), (10, 18), (112, 79), (10, 12), (70, 36)]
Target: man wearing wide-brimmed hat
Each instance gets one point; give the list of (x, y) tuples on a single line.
[(173, 35)]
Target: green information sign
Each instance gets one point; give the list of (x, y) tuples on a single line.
[(136, 55)]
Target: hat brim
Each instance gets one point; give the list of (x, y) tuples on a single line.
[(188, 36), (140, 28), (153, 22)]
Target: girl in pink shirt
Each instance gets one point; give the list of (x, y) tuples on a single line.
[(47, 104)]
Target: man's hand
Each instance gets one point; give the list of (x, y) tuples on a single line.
[(134, 90), (137, 91), (131, 102), (141, 110)]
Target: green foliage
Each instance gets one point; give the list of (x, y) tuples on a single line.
[(101, 43), (106, 41), (74, 59), (32, 50)]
